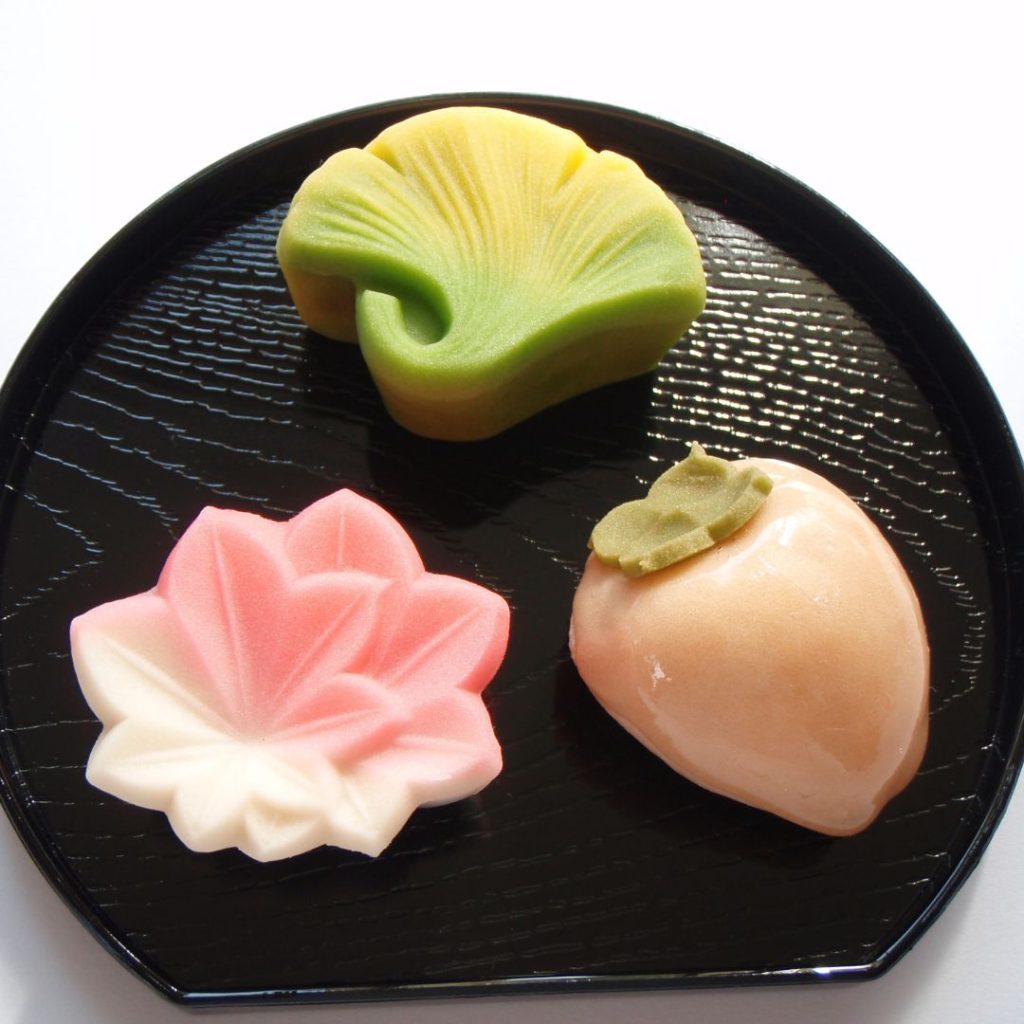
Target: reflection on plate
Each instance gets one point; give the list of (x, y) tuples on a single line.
[(174, 373)]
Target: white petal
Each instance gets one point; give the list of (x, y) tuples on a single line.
[(282, 786), (367, 810), (145, 762), (440, 771), (272, 834), (208, 808)]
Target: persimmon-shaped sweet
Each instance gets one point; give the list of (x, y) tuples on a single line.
[(786, 666), (292, 684), (490, 265)]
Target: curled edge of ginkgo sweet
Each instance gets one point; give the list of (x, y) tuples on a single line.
[(490, 265), (287, 685)]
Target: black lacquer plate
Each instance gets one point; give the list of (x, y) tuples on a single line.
[(173, 373)]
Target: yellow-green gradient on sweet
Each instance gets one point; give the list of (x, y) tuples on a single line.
[(490, 265)]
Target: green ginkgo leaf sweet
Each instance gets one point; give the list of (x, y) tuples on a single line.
[(490, 265)]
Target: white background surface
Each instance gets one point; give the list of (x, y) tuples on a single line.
[(905, 116)]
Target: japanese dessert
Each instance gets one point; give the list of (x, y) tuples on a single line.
[(290, 684), (782, 661), (490, 265)]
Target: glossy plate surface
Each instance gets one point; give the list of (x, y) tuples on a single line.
[(174, 373)]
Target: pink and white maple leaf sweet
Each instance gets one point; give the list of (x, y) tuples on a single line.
[(292, 684)]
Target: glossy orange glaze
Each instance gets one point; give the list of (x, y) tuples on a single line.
[(787, 667)]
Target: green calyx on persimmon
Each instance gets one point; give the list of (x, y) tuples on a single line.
[(690, 507)]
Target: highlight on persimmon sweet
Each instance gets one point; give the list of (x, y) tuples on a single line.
[(785, 664)]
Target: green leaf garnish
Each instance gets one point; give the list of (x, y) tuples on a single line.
[(688, 509)]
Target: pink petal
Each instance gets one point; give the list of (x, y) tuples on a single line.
[(458, 716), (345, 718), (324, 626), (447, 751), (449, 634), (224, 580), (346, 531)]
